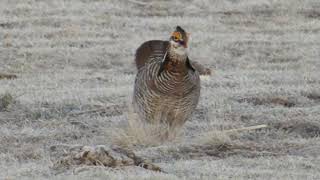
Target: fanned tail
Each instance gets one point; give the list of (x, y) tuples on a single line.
[(153, 48), (158, 48)]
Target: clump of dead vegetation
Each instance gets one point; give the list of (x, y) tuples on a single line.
[(5, 101), (7, 76), (219, 144), (101, 155), (214, 144), (141, 133), (147, 138)]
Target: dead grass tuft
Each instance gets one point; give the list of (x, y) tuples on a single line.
[(222, 144), (5, 101), (138, 132)]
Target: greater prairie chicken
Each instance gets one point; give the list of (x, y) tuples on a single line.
[(167, 86)]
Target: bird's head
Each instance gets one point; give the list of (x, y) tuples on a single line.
[(177, 49), (179, 41)]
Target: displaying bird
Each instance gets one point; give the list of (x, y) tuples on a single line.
[(167, 86)]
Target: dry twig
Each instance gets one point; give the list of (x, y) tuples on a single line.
[(139, 2), (246, 128), (7, 76)]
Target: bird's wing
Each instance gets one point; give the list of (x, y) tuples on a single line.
[(153, 48), (200, 68)]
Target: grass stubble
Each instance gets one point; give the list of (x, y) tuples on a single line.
[(70, 72)]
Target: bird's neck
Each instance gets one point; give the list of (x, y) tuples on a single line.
[(177, 54), (176, 63)]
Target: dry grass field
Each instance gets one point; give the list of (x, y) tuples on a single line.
[(73, 61)]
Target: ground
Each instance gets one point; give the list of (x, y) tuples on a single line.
[(73, 62)]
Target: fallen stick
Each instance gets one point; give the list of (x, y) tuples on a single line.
[(7, 76), (246, 128), (139, 2), (100, 110), (112, 109)]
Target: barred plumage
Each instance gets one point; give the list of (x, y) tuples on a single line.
[(166, 88)]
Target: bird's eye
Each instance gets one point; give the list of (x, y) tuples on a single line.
[(176, 36)]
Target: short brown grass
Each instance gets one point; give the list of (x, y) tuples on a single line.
[(71, 57)]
